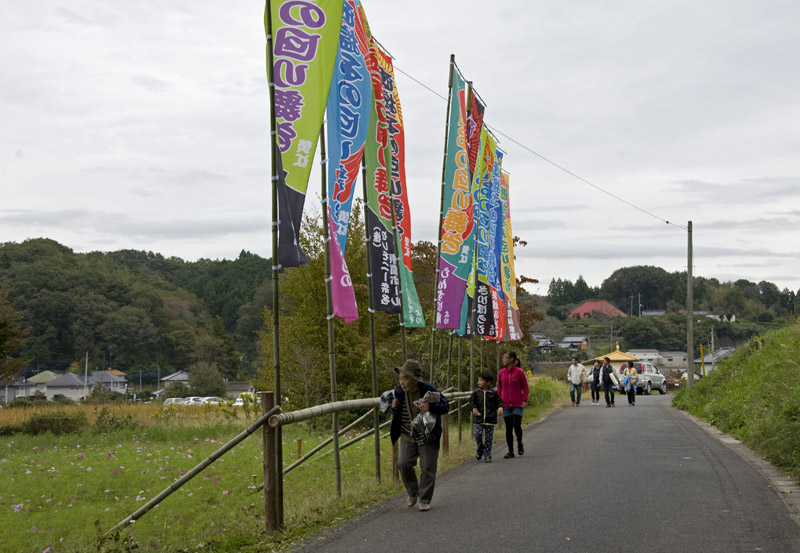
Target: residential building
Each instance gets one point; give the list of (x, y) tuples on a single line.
[(574, 343), (593, 308), (69, 385), (648, 355)]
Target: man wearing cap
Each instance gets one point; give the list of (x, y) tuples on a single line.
[(414, 445)]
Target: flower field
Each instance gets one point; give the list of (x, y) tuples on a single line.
[(60, 493)]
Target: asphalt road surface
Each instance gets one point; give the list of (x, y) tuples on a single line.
[(628, 479)]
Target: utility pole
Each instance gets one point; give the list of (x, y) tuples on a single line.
[(640, 304), (690, 317), (85, 375), (712, 349)]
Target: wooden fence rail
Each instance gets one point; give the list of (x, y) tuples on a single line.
[(269, 421)]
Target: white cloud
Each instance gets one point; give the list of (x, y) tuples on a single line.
[(146, 125)]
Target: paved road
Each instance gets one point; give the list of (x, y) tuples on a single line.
[(627, 479)]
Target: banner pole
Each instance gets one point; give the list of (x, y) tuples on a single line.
[(449, 357), (276, 344), (329, 302), (373, 356), (458, 378)]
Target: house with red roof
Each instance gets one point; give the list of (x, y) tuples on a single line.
[(592, 308)]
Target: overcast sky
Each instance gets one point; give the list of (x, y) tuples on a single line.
[(145, 125)]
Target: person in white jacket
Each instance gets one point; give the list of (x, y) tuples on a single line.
[(576, 375)]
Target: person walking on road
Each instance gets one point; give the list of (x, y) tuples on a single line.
[(576, 375), (608, 377), (486, 407), (595, 382), (408, 402), (629, 380), (512, 385)]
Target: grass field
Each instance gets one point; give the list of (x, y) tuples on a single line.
[(61, 493), (755, 396)]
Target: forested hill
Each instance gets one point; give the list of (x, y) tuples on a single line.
[(134, 309)]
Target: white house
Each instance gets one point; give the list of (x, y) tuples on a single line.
[(70, 386), (179, 376), (648, 355), (108, 381)]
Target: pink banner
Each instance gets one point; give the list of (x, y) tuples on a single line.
[(342, 293)]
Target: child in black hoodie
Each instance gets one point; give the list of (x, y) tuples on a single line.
[(486, 407)]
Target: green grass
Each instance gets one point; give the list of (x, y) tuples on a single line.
[(60, 493), (755, 397)]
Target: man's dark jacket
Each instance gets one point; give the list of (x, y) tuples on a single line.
[(437, 409)]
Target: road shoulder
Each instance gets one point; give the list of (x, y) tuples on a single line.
[(787, 490)]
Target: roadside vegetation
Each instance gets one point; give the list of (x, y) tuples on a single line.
[(755, 397), (61, 492)]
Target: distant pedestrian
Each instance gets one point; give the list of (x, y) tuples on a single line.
[(596, 382), (576, 375), (407, 404), (609, 384), (629, 381), (486, 407), (512, 385)]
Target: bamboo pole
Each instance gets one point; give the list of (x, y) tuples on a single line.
[(329, 440), (325, 409), (195, 471), (318, 447), (357, 439), (339, 406), (337, 464), (373, 354), (275, 152), (272, 475), (460, 370), (449, 358)]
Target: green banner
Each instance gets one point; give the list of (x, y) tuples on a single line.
[(305, 37)]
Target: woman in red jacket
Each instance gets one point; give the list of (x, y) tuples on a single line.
[(512, 386)]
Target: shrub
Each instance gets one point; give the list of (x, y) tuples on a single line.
[(57, 422), (62, 400), (100, 396), (20, 402), (106, 422)]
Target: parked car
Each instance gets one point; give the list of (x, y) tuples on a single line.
[(173, 401), (213, 400), (649, 378), (193, 400)]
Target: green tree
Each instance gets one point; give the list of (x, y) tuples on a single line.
[(205, 380), (12, 340)]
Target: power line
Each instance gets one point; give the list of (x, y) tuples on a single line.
[(553, 163)]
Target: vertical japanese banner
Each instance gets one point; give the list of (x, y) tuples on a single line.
[(395, 163), (457, 238), (349, 104), (507, 272), (305, 41), (496, 235), (474, 131), (469, 305), (385, 280), (485, 292)]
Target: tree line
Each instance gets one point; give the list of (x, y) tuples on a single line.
[(145, 315), (657, 289)]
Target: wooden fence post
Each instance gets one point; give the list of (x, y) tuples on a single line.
[(270, 466), (445, 434), (395, 470), (299, 447)]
